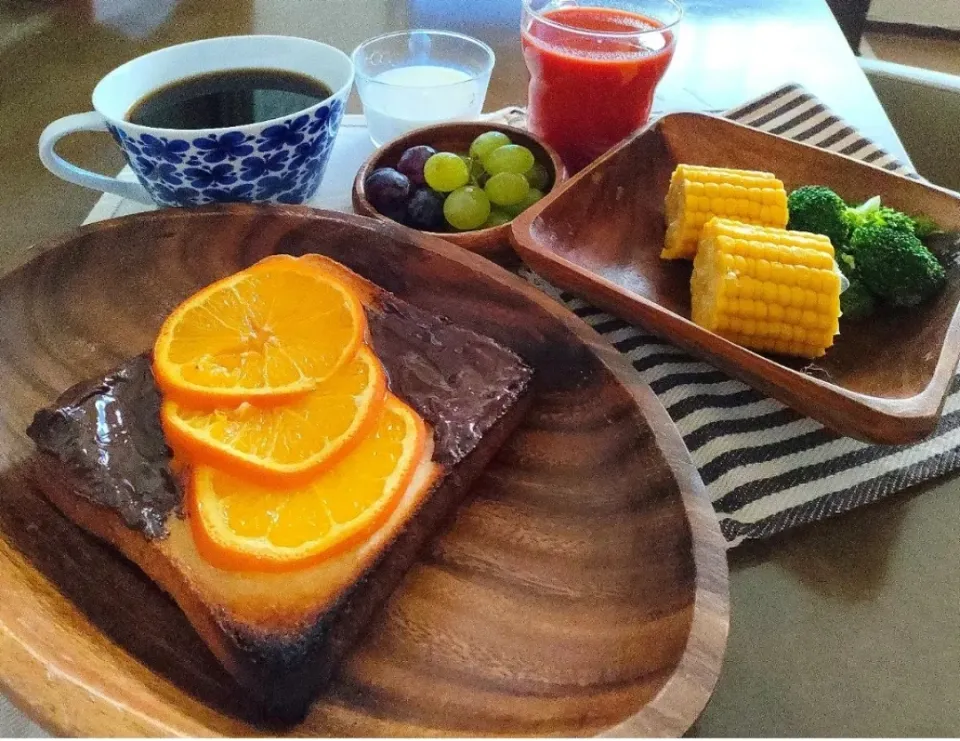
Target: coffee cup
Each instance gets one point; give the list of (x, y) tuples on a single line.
[(277, 160)]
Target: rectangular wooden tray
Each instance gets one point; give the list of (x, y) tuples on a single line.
[(601, 233)]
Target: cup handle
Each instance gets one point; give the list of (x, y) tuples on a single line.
[(91, 121)]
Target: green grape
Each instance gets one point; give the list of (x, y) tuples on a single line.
[(509, 158), (466, 208), (496, 218), (446, 172), (487, 142), (533, 195), (506, 188), (538, 177)]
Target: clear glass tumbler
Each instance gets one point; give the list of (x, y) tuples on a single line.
[(415, 78), (594, 66)]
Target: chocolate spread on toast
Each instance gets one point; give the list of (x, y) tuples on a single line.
[(457, 380), (107, 431)]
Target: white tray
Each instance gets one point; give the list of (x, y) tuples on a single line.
[(351, 147)]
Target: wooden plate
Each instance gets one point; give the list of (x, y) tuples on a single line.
[(456, 136), (582, 590), (600, 235)]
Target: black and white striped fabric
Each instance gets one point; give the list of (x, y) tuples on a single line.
[(768, 468)]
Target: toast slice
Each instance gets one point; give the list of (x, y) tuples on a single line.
[(106, 466)]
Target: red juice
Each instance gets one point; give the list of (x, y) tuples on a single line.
[(593, 74)]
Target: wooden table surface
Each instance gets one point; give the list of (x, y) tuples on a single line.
[(848, 627)]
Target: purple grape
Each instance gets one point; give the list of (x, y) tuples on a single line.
[(425, 210), (388, 191), (412, 161)]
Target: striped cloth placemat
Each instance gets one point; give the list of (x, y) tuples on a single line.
[(766, 467)]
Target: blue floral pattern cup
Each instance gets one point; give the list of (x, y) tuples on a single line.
[(280, 160)]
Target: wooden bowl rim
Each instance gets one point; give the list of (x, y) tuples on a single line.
[(31, 674), (478, 240), (891, 420)]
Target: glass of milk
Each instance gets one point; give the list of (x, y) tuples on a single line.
[(415, 78)]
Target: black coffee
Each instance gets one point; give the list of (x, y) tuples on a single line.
[(228, 98)]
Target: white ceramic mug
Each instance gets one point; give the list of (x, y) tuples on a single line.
[(278, 160)]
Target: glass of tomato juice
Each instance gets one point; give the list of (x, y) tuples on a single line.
[(594, 66)]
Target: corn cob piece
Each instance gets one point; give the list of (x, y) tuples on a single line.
[(697, 194), (767, 289)]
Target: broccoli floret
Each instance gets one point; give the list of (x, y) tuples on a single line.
[(817, 209), (894, 265), (894, 219), (846, 262), (871, 212), (857, 302), (877, 248), (858, 215), (889, 218)]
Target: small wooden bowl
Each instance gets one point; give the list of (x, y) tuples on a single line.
[(456, 136)]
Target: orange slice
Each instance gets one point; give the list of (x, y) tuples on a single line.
[(283, 443), (240, 525), (359, 286), (270, 332)]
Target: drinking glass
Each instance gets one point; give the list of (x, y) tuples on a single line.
[(594, 66), (415, 78)]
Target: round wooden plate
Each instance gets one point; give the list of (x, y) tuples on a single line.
[(582, 589)]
